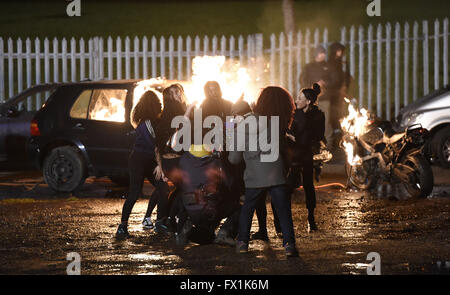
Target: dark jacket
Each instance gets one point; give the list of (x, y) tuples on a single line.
[(313, 73), (216, 107), (163, 130), (308, 129)]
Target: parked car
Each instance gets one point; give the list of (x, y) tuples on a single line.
[(82, 130), (433, 113)]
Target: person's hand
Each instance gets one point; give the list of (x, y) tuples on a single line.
[(290, 136), (159, 174)]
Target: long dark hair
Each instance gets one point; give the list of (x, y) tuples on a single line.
[(311, 94), (276, 101), (148, 108)]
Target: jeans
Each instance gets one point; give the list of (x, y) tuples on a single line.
[(141, 166), (282, 206)]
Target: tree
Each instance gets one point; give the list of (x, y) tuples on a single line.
[(288, 15)]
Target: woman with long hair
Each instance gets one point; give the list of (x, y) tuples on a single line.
[(262, 176), (142, 162)]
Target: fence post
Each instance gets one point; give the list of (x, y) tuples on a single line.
[(388, 71), (180, 57), (119, 58), (197, 46), (241, 49), (290, 65), (316, 38), (101, 68), (28, 68), (299, 60), (37, 50), (406, 66), (136, 57), (145, 57), (232, 46), (436, 54), (445, 52), (361, 65), (91, 59), (223, 45), (369, 67), (205, 45), (415, 57), (55, 60), (281, 40), (19, 66), (82, 59), (325, 38), (154, 50), (64, 59), (259, 59), (379, 74), (188, 57), (397, 69), (214, 45), (11, 68), (73, 62), (110, 58), (426, 83), (46, 65), (250, 49), (127, 57), (162, 44), (2, 71), (171, 52), (307, 46), (352, 51), (272, 58)]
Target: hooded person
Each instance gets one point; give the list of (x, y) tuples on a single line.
[(337, 85)]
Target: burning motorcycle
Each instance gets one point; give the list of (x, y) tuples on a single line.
[(376, 154)]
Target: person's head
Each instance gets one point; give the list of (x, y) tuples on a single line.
[(212, 90), (320, 54), (276, 101), (336, 51), (240, 108), (174, 92), (307, 97), (148, 108)]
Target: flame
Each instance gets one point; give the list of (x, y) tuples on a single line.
[(115, 111), (353, 125), (233, 79)]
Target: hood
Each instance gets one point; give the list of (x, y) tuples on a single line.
[(436, 100)]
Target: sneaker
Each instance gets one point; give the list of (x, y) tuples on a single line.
[(161, 226), (312, 226), (291, 251), (181, 238), (122, 231), (222, 238), (260, 235), (241, 247), (147, 223)]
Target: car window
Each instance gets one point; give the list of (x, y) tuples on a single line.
[(79, 109), (107, 105)]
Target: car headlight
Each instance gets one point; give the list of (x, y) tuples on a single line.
[(413, 118)]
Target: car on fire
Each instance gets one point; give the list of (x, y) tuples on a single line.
[(82, 129), (432, 112)]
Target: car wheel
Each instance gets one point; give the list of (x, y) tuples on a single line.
[(120, 180), (440, 146), (64, 169)]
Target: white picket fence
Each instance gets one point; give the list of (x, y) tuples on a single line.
[(384, 80)]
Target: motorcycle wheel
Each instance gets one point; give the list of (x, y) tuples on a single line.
[(421, 181), (359, 175)]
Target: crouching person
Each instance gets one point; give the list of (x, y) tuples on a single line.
[(264, 169), (206, 200)]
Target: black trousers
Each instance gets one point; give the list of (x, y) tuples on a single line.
[(141, 166)]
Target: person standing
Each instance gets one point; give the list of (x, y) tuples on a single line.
[(142, 162), (318, 72), (262, 177), (336, 88), (307, 131)]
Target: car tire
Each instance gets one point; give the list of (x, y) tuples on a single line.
[(440, 146), (120, 180), (64, 169)]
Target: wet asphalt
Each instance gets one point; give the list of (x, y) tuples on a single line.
[(38, 229)]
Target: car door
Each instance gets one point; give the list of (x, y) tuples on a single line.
[(101, 118)]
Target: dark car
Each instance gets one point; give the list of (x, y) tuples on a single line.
[(82, 130)]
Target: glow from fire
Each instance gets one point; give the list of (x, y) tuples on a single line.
[(354, 125), (233, 79), (115, 111)]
